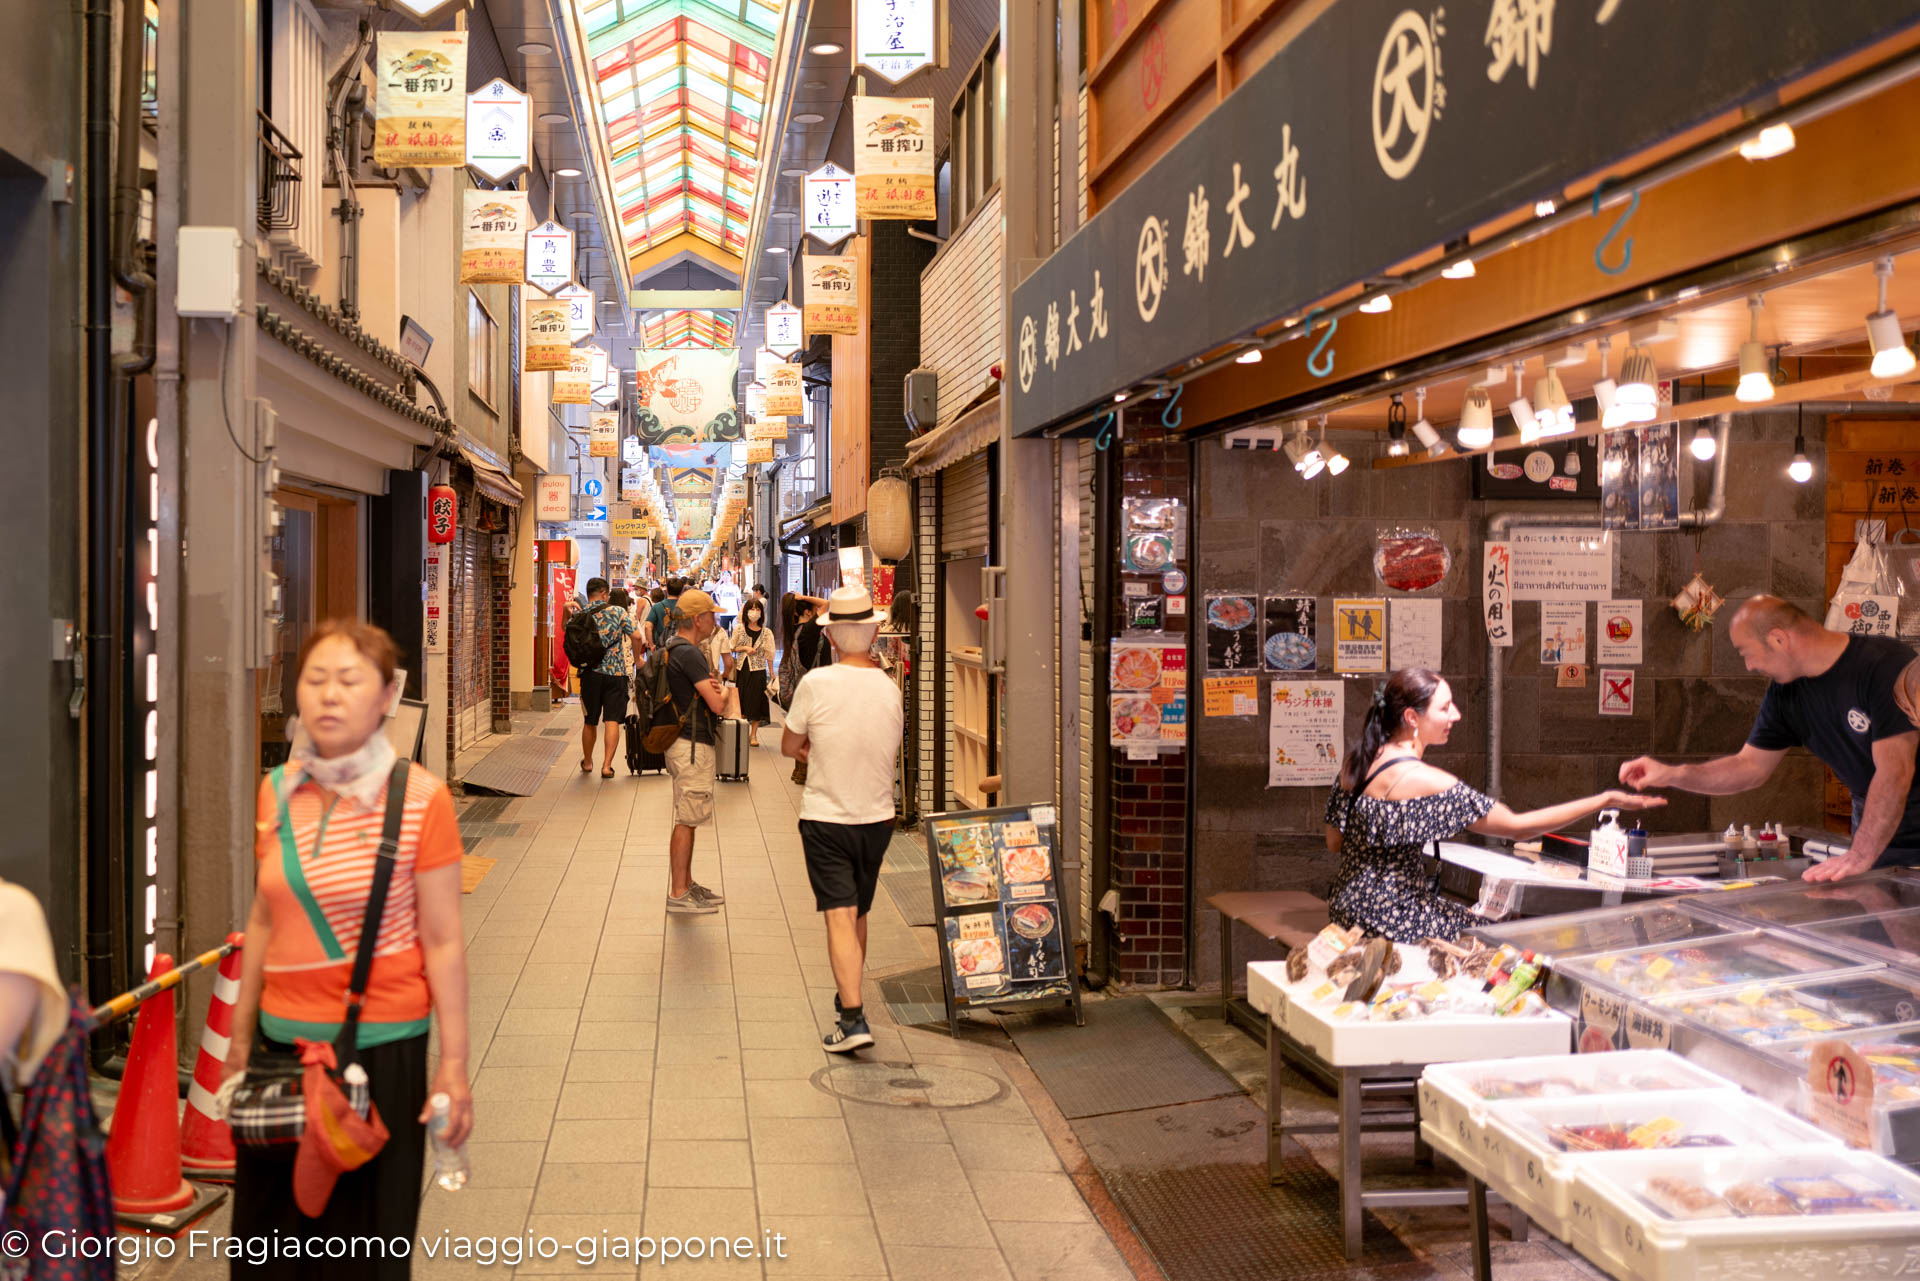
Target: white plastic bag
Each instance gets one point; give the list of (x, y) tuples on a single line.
[(1867, 600)]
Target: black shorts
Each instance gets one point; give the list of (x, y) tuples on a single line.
[(843, 861), (604, 695)]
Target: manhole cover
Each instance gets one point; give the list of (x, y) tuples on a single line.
[(909, 1085)]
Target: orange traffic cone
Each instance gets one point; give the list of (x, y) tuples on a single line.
[(206, 1144), (143, 1148)]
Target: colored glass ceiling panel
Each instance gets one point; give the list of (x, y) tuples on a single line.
[(695, 327), (680, 88)]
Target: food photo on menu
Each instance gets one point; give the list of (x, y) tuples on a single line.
[(1231, 638), (977, 948), (967, 863)]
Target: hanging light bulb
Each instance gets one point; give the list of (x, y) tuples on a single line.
[(1801, 468), (1891, 355), (1377, 304), (1756, 378), (1638, 398), (1525, 421), (1422, 429), (1476, 419), (1552, 411), (1774, 140), (1703, 444), (1396, 428), (1542, 208), (1572, 466), (1462, 270)]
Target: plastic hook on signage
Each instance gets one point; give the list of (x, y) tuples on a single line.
[(1103, 438), (1170, 416), (1316, 365), (1626, 246)]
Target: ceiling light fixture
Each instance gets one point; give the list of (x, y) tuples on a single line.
[(1703, 445), (1756, 379), (1119, 397), (535, 47), (1295, 446), (555, 118), (1553, 412), (1658, 331), (1396, 428), (1251, 356), (1891, 355), (1542, 208), (1476, 419), (806, 118), (1462, 270), (778, 249), (566, 171), (1774, 140), (1377, 304), (1312, 462), (827, 48), (1801, 468), (1638, 398), (1605, 390), (1524, 419), (793, 173), (1423, 431)]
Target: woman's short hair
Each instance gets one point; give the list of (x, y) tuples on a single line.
[(373, 643)]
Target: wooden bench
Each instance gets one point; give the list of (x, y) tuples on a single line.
[(1290, 918)]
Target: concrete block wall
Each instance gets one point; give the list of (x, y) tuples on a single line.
[(1262, 529)]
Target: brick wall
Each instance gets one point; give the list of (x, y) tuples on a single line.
[(960, 313), (1148, 856), (502, 651), (898, 260)]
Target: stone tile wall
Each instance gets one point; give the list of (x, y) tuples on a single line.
[(1263, 529)]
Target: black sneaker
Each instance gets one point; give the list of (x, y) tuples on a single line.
[(847, 1037)]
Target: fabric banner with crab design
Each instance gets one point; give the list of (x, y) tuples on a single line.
[(685, 396)]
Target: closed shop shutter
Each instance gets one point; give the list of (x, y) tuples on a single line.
[(472, 634), (964, 509)]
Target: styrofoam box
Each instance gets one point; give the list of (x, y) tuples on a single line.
[(1452, 1101), (1267, 989), (1445, 1038), (1634, 1240), (1532, 1171)]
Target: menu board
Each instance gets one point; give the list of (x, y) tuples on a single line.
[(1003, 922), (1148, 706)]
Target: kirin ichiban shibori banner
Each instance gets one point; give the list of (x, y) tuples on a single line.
[(687, 395), (420, 100), (831, 297), (493, 240), (893, 158), (549, 341)]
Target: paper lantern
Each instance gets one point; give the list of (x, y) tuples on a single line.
[(443, 513), (890, 516)]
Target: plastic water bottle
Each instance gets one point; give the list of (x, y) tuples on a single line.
[(449, 1162)]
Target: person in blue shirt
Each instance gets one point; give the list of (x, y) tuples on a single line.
[(1835, 695)]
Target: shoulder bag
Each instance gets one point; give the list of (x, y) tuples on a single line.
[(269, 1110)]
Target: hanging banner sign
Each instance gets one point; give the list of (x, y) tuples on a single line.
[(783, 329), (548, 346), (760, 451), (686, 395), (829, 202), (607, 394), (632, 451), (550, 258), (499, 135), (767, 429), (555, 500), (832, 297), (493, 239), (604, 435), (784, 394), (596, 365), (893, 158), (434, 624), (420, 101), (1496, 593), (571, 386), (1380, 131), (756, 401), (763, 360), (579, 311), (692, 482), (895, 38)]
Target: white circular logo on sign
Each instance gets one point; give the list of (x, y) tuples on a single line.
[(1539, 466), (1858, 722), (1028, 356), (1149, 268), (1404, 80)]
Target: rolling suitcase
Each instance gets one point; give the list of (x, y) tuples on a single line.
[(732, 751), (639, 759)]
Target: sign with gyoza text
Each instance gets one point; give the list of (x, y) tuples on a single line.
[(1384, 129)]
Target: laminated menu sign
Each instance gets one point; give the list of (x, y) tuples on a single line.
[(1305, 732), (1232, 638), (1232, 695), (1618, 632), (1360, 635), (420, 100), (1148, 706), (996, 877), (1289, 644)]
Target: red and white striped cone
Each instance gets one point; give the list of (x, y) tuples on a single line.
[(206, 1144)]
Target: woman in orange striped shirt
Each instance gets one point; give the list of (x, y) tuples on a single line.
[(318, 831)]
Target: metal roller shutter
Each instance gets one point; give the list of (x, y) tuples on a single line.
[(472, 635), (964, 509)]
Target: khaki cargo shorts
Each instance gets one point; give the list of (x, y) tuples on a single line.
[(691, 767)]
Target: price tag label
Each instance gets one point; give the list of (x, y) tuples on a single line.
[(1659, 968)]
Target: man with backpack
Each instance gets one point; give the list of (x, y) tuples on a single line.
[(678, 704), (593, 641)]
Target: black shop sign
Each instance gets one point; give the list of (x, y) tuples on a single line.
[(1378, 133)]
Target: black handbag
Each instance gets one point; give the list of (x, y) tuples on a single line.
[(269, 1109)]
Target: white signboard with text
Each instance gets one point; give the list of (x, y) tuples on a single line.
[(1561, 564)]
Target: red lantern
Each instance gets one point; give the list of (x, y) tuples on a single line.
[(443, 513)]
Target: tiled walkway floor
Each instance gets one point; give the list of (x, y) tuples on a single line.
[(640, 1074)]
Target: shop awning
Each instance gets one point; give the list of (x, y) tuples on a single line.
[(968, 434), (491, 481)]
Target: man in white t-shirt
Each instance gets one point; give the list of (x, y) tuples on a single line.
[(727, 597), (845, 722)]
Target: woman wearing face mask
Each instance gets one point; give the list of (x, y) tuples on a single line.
[(753, 659), (1389, 804), (319, 826)]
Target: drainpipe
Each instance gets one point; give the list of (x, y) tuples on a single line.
[(1502, 523), (344, 93)]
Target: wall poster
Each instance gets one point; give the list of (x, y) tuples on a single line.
[(1148, 706), (1618, 632), (1360, 634), (1005, 931), (1232, 638), (1289, 643), (1660, 476), (1620, 479), (1305, 731), (1560, 563), (1413, 633), (1563, 632)]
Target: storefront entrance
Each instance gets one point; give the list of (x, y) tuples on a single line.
[(316, 562)]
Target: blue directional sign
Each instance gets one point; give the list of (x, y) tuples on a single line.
[(591, 487), (599, 512)]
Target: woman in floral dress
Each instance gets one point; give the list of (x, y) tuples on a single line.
[(1389, 805)]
